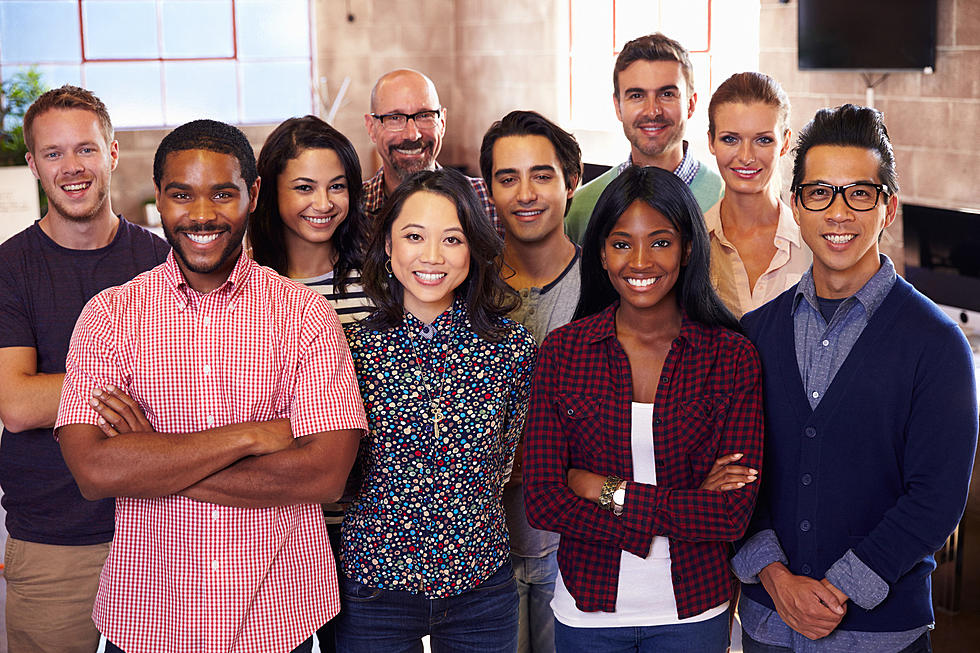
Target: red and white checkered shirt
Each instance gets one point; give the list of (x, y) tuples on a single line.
[(373, 192), (184, 575)]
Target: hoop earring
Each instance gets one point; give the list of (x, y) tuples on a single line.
[(388, 269)]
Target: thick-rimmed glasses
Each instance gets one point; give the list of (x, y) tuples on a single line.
[(396, 122), (859, 196)]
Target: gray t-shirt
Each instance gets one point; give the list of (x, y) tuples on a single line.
[(542, 310)]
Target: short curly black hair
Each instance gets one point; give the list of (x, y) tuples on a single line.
[(212, 136)]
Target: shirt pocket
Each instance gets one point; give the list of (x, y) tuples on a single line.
[(580, 421), (698, 432)]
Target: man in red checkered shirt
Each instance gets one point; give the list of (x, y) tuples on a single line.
[(252, 419)]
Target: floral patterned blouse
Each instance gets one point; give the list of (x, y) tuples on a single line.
[(428, 518)]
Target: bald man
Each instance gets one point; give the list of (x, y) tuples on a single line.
[(406, 124)]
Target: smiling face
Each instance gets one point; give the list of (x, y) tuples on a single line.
[(412, 149), (429, 253), (204, 205), (643, 255), (528, 188), (747, 144), (313, 196), (73, 163), (844, 242), (654, 106)]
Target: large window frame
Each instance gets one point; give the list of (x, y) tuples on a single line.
[(174, 66)]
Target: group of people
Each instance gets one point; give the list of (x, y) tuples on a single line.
[(510, 413)]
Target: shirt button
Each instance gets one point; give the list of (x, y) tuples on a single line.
[(805, 569), (657, 420), (571, 411), (206, 320), (806, 479), (825, 343), (214, 565), (206, 369), (805, 525), (214, 515), (664, 379), (210, 420), (815, 395), (810, 432)]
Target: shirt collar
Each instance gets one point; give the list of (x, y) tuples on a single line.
[(231, 288), (870, 295), (604, 326), (687, 169)]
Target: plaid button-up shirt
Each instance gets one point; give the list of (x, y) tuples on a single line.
[(185, 575), (374, 197), (708, 404)]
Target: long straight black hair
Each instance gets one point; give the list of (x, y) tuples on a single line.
[(488, 299), (666, 193), (265, 226)]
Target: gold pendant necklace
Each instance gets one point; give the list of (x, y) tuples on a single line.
[(434, 403)]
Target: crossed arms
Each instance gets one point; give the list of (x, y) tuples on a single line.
[(251, 465)]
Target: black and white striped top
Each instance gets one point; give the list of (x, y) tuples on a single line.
[(351, 305)]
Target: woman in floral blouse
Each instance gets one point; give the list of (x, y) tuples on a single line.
[(445, 379)]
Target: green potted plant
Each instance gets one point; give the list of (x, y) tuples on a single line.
[(17, 93)]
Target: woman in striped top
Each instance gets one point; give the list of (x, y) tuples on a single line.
[(308, 224)]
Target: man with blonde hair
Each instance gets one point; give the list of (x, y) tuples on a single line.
[(58, 540)]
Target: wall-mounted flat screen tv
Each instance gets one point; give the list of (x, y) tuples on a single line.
[(873, 35)]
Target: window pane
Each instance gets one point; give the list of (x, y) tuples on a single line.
[(687, 23), (201, 89), (592, 92), (35, 32), (273, 92), (197, 28), (592, 24), (273, 28), (635, 18), (51, 76), (120, 30), (130, 90)]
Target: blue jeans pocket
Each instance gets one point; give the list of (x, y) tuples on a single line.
[(357, 592)]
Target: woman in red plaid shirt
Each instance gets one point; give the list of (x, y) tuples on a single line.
[(632, 406)]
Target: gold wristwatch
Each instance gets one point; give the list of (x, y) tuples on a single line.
[(613, 485)]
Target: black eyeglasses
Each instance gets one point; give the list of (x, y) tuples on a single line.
[(396, 122), (859, 196)]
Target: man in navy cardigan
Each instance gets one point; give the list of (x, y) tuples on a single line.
[(871, 419)]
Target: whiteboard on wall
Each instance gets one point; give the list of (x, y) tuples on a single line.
[(19, 203)]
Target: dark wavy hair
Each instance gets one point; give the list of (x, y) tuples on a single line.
[(265, 225), (531, 123), (848, 126), (666, 193), (488, 299)]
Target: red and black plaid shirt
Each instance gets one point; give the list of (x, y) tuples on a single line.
[(708, 404)]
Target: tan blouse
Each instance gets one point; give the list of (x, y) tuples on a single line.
[(728, 276)]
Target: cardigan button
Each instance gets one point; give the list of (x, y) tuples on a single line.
[(805, 525), (810, 432), (805, 569), (806, 479)]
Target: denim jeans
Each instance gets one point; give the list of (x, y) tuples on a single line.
[(481, 620), (710, 636), (535, 587), (749, 645)]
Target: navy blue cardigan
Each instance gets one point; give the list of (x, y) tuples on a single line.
[(889, 449)]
